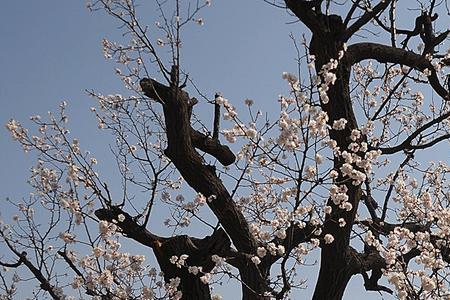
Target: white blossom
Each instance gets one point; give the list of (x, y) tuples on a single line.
[(256, 260), (328, 238)]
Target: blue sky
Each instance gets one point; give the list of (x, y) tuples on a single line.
[(51, 51)]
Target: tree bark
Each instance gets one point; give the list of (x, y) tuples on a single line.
[(335, 265), (182, 141), (200, 252)]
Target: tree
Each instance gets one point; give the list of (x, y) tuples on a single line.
[(340, 170)]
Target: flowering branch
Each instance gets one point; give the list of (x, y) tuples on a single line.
[(386, 54), (212, 146), (45, 284)]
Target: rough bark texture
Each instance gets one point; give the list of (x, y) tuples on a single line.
[(336, 266), (339, 261), (233, 239), (386, 54), (200, 252), (182, 141)]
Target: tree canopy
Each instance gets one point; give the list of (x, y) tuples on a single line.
[(341, 170)]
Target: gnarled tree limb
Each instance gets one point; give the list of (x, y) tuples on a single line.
[(386, 54), (365, 18), (199, 251), (160, 92), (203, 178), (304, 11)]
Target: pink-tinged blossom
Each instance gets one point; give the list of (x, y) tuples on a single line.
[(206, 278), (219, 261), (67, 237), (261, 251), (328, 238), (77, 282), (193, 270), (106, 228), (256, 260), (200, 199), (106, 278), (98, 251), (339, 124), (147, 293)]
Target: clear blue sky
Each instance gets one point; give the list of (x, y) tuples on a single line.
[(51, 51)]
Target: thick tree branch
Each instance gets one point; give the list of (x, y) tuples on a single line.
[(193, 168), (406, 145), (160, 92), (213, 147), (203, 178), (372, 261), (216, 123), (11, 265), (386, 54), (199, 251), (45, 283), (385, 228), (365, 18), (304, 11), (129, 227), (335, 259)]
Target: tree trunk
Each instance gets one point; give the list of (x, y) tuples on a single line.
[(182, 141), (254, 284), (335, 268), (200, 252), (334, 276)]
